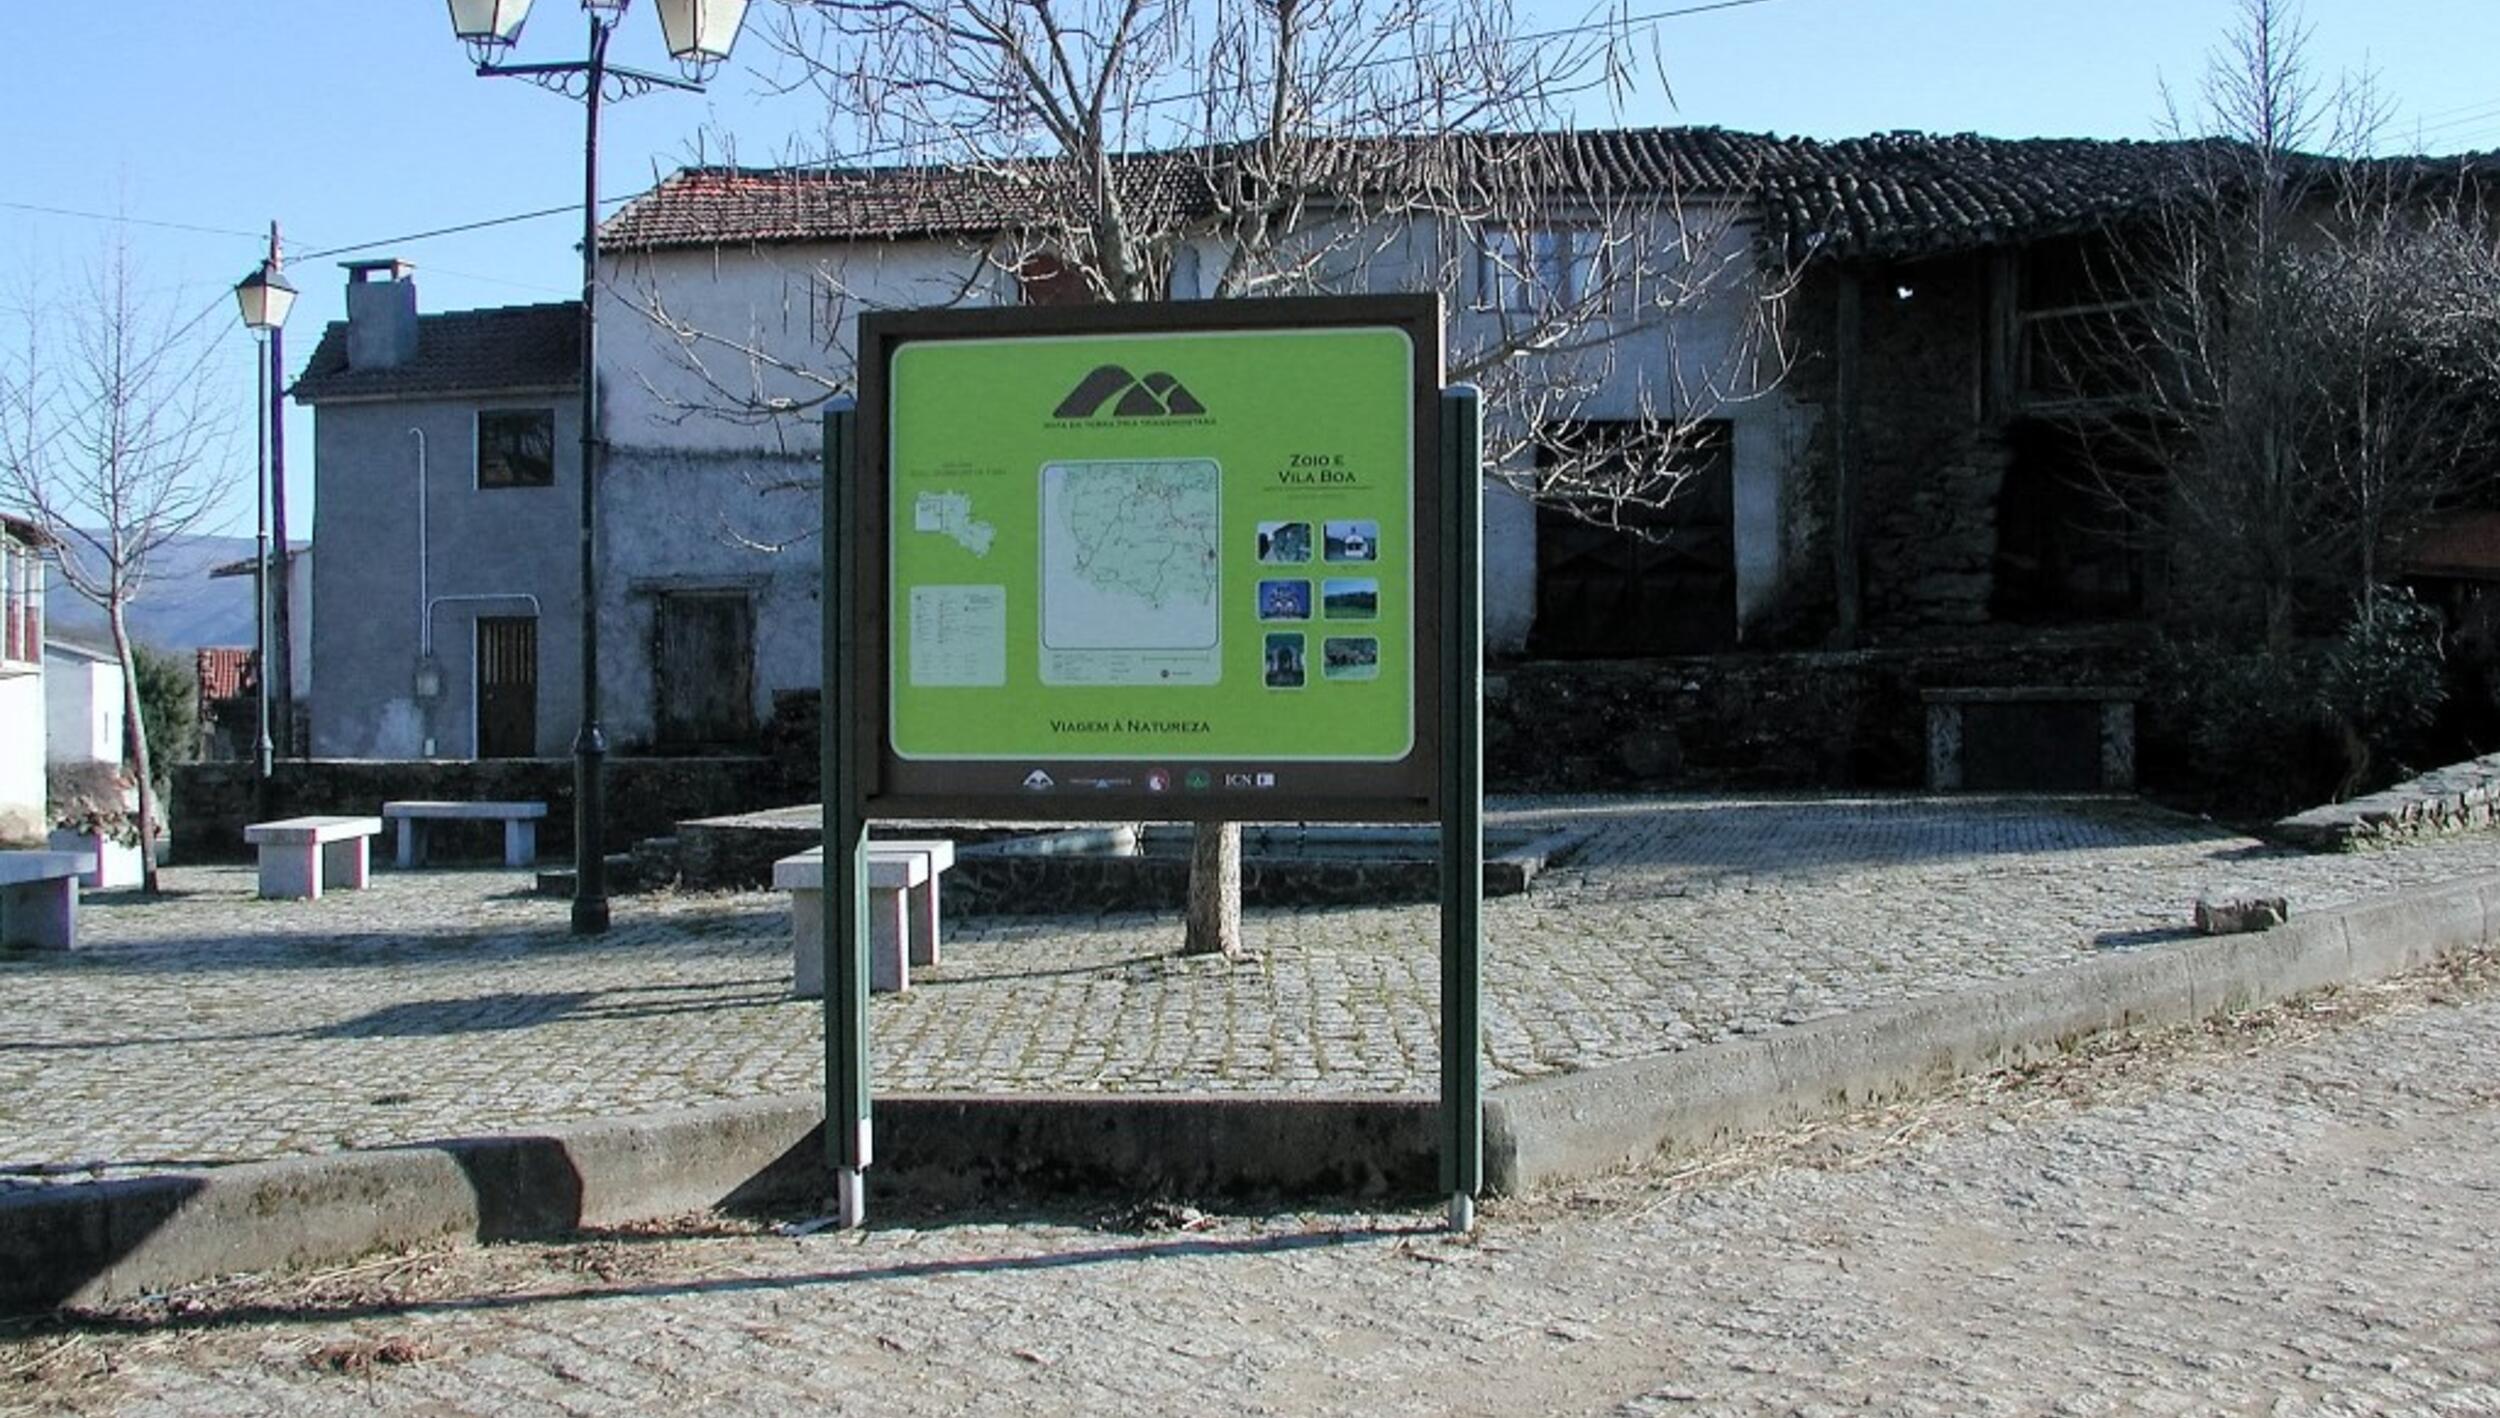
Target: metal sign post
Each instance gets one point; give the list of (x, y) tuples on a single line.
[(1462, 805), (849, 1141)]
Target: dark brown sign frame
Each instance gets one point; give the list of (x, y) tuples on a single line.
[(1186, 788)]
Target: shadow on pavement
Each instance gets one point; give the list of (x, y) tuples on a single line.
[(197, 1311)]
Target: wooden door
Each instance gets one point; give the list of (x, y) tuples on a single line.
[(703, 668), (507, 686)]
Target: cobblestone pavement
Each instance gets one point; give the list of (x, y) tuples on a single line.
[(2289, 1213), (214, 1026)]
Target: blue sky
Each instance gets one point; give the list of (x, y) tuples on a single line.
[(358, 121)]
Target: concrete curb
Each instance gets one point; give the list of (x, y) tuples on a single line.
[(1546, 1130), (99, 1242)]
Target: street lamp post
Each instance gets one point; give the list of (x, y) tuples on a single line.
[(264, 298), (699, 34)]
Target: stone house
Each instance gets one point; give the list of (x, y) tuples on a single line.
[(446, 452), (1887, 486)]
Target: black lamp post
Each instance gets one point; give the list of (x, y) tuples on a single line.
[(699, 35), (264, 298)]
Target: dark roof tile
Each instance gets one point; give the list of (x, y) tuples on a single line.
[(1888, 195), (458, 352)]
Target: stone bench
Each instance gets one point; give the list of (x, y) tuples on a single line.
[(902, 912), (520, 827), (2031, 738), (39, 898), (300, 856)]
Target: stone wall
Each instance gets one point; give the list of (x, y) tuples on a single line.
[(1802, 720), (647, 797), (1931, 465)]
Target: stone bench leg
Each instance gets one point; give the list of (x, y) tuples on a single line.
[(43, 914), (290, 871), (889, 928), (346, 864), (889, 969), (411, 843), (807, 944), (924, 921), (520, 842)]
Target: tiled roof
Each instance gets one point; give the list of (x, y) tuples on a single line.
[(458, 352), (24, 532), (1889, 195), (1909, 194), (702, 206), (225, 672)]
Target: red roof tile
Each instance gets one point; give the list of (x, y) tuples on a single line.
[(225, 673)]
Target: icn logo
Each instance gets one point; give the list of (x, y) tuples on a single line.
[(1156, 395)]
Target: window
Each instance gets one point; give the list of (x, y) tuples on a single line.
[(516, 448), (21, 600), (2083, 338), (1537, 268)]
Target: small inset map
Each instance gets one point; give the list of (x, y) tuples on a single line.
[(1131, 571), (949, 514)]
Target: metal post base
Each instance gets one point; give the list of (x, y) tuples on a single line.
[(851, 1197), (1462, 1213)]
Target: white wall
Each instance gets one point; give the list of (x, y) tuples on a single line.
[(82, 708), (684, 472), (22, 814)]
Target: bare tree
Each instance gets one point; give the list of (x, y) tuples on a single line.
[(2406, 372), (1137, 149), (109, 441), (2289, 359)]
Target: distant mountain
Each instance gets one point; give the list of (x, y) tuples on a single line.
[(181, 610)]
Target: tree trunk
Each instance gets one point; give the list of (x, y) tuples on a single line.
[(2279, 623), (1214, 891), (136, 732)]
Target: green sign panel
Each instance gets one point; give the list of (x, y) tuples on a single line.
[(1148, 559)]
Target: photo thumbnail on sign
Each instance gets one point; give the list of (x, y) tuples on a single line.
[(1284, 661), (1353, 541), (1350, 598), (1284, 600), (1284, 543)]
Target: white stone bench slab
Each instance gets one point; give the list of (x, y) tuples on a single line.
[(302, 856), (520, 827), (903, 918), (39, 898)]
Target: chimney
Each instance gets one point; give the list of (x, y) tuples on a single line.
[(381, 314)]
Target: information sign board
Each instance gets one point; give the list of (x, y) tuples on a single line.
[(1150, 561)]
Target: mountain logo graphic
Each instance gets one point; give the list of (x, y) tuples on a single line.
[(1156, 395)]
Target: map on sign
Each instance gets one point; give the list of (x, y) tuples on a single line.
[(949, 514), (1131, 571)]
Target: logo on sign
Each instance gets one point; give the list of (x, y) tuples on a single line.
[(1264, 780), (1236, 780), (1037, 780), (1154, 395), (1158, 781)]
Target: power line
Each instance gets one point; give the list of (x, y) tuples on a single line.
[(891, 149), (131, 221), (573, 208)]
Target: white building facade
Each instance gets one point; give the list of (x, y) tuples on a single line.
[(23, 719)]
